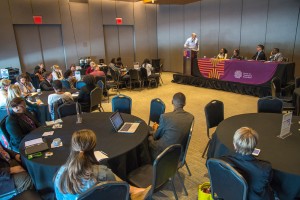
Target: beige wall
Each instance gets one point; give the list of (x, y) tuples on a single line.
[(230, 24), (81, 27)]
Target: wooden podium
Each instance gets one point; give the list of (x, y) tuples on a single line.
[(189, 56)]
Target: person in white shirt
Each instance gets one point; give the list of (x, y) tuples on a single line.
[(192, 42), (4, 84), (57, 73), (276, 56), (58, 95)]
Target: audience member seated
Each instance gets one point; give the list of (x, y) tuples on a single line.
[(173, 127), (38, 72), (97, 72), (222, 54), (84, 93), (102, 63), (26, 87), (82, 170), (68, 76), (19, 123), (91, 68), (13, 91), (112, 63), (260, 54), (57, 73), (119, 63), (73, 69), (146, 64), (46, 85), (257, 173), (276, 55), (12, 175), (4, 84), (236, 54), (58, 95), (42, 66)]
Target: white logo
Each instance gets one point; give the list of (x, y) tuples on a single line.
[(238, 74)]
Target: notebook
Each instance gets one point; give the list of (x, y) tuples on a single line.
[(120, 126), (36, 145)]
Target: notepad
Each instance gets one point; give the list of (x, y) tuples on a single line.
[(99, 155), (33, 142)]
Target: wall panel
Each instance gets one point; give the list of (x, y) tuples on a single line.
[(109, 12), (125, 11), (126, 40), (21, 11), (111, 38), (254, 21), (48, 9), (230, 25), (281, 26), (177, 38), (296, 55), (209, 33)]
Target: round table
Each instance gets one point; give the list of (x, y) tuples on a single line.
[(123, 150), (283, 154)]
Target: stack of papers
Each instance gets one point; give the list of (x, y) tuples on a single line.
[(33, 142), (51, 123)]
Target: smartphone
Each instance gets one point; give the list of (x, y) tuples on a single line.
[(256, 152)]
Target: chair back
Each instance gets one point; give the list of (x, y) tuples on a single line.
[(121, 103), (80, 84), (35, 81), (297, 82), (157, 107), (67, 109), (276, 87), (144, 75), (103, 79), (269, 105), (226, 182), (114, 75), (165, 165), (107, 190), (95, 98), (134, 75), (4, 135), (185, 148), (66, 84), (214, 113)]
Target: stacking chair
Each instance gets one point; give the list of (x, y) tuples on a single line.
[(80, 84), (182, 161), (276, 90), (160, 72), (107, 190), (269, 105), (146, 79), (157, 108), (214, 114), (121, 103), (297, 82), (116, 82), (134, 78), (66, 84), (96, 99), (102, 86), (67, 109), (226, 182), (160, 173)]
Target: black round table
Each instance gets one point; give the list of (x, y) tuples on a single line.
[(125, 151), (283, 154)]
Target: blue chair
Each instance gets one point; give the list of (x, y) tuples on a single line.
[(269, 105), (80, 84), (4, 135), (121, 103), (102, 85), (66, 84), (226, 182), (157, 107), (107, 190)]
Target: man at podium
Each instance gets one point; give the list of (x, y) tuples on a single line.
[(191, 48), (192, 44)]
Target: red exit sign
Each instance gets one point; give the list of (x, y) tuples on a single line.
[(37, 19), (119, 20)]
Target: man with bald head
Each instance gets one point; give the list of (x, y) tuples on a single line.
[(173, 127), (192, 43)]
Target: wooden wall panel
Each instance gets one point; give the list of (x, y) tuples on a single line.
[(230, 25), (209, 33), (254, 21)]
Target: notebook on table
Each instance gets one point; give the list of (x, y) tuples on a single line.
[(120, 126)]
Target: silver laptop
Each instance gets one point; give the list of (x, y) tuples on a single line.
[(120, 126)]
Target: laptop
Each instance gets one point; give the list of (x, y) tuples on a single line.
[(136, 65), (121, 127)]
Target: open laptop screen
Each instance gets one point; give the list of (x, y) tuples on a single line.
[(116, 120)]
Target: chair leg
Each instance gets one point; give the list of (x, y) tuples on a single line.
[(188, 169), (182, 183), (173, 187), (205, 150)]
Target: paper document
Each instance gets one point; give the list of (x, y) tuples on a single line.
[(99, 155), (50, 123), (48, 133), (33, 142)]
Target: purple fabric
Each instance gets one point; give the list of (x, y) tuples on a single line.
[(249, 72)]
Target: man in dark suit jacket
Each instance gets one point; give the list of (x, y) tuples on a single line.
[(46, 85), (173, 127), (260, 54), (257, 173), (12, 174)]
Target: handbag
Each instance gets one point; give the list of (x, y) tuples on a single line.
[(202, 194)]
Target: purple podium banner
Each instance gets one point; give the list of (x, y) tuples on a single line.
[(249, 72)]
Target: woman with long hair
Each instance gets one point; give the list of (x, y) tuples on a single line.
[(25, 85), (82, 171), (57, 73)]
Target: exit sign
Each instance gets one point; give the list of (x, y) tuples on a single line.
[(119, 21), (37, 19)]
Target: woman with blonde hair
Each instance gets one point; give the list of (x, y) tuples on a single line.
[(57, 73), (12, 92), (82, 171), (4, 84), (257, 173)]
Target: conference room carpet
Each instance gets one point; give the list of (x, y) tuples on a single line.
[(197, 98)]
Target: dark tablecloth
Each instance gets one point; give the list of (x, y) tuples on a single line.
[(283, 154), (126, 151)]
